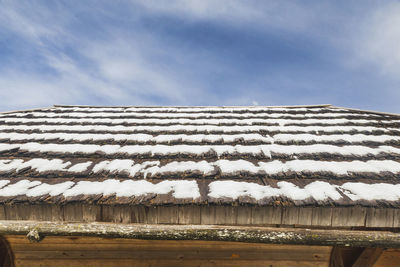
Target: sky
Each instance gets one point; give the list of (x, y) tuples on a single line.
[(200, 52)]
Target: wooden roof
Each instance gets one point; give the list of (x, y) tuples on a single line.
[(302, 156)]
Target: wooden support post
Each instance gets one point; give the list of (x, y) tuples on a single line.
[(5, 254), (354, 257), (368, 257)]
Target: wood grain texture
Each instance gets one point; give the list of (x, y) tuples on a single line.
[(380, 217), (207, 215), (94, 251), (164, 263), (389, 258), (368, 257)]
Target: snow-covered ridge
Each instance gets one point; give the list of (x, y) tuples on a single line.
[(146, 121), (318, 190), (199, 138), (43, 165), (128, 188), (203, 168), (139, 138), (265, 151), (181, 189), (350, 138), (194, 128)]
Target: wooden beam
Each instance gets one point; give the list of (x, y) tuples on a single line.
[(368, 257), (272, 235), (354, 257), (344, 256), (5, 253), (336, 258)]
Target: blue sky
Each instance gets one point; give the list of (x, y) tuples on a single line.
[(203, 52)]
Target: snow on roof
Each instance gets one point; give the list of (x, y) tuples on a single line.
[(304, 155)]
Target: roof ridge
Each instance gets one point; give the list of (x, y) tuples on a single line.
[(238, 106)]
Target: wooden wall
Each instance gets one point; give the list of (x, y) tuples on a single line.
[(96, 252), (114, 252), (216, 215), (389, 258)]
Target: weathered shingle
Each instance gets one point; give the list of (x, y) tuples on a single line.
[(317, 155)]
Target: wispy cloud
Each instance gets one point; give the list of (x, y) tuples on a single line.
[(198, 53), (111, 70), (379, 39), (280, 14)]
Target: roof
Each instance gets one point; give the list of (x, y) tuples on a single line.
[(310, 155)]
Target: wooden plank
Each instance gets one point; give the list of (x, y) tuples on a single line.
[(290, 215), (189, 215), (168, 214), (2, 213), (168, 254), (61, 251), (348, 216), (73, 212), (389, 258), (138, 214), (396, 218), (225, 215), (43, 212), (151, 215), (11, 212), (321, 216), (207, 214), (243, 215), (91, 213), (379, 217), (368, 257), (78, 242), (164, 263), (305, 216), (266, 215), (116, 214)]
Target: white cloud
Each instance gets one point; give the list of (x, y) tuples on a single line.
[(116, 69), (126, 64), (22, 91), (130, 66), (378, 40), (279, 14)]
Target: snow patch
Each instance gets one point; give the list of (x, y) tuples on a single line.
[(318, 190)]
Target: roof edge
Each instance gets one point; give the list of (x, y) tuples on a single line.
[(25, 110), (35, 231), (369, 111)]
